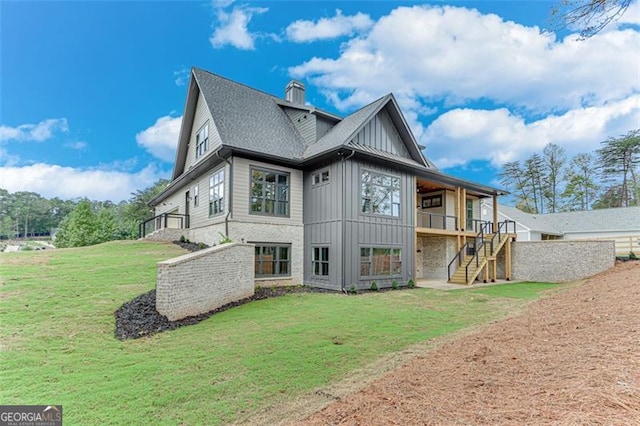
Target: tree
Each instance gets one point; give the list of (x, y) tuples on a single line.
[(80, 228), (554, 158), (534, 174), (513, 177), (618, 160), (581, 187), (137, 210), (590, 16)]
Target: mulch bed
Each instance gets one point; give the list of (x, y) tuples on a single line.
[(138, 317)]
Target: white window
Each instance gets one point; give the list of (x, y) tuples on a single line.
[(202, 140), (216, 193)]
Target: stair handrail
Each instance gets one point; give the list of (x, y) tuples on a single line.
[(459, 256), (476, 258)]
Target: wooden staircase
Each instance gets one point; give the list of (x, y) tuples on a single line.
[(472, 264)]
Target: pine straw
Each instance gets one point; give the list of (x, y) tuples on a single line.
[(571, 359)]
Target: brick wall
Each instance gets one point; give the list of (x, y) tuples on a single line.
[(167, 234), (205, 280), (560, 260), (434, 256)]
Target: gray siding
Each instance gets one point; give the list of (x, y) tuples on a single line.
[(201, 116), (304, 122), (323, 126), (241, 196), (199, 215), (380, 133), (333, 217), (323, 225)]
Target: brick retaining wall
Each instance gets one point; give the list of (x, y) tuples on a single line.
[(561, 260), (205, 280)]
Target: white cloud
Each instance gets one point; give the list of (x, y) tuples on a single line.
[(78, 145), (302, 31), (50, 180), (540, 89), (181, 76), (462, 135), (455, 55), (232, 27), (161, 139), (34, 132)]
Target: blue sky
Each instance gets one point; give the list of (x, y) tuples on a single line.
[(91, 93)]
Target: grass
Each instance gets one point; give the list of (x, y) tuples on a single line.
[(57, 342)]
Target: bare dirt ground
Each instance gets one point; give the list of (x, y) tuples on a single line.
[(571, 359)]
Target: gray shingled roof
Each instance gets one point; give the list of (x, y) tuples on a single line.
[(249, 119), (617, 219)]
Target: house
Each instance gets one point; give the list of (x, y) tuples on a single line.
[(619, 224), (328, 201)]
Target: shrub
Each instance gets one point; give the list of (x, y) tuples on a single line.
[(352, 289), (632, 256), (394, 285), (411, 283), (183, 239), (374, 286), (224, 239), (201, 246)]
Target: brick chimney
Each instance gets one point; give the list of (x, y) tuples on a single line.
[(294, 92)]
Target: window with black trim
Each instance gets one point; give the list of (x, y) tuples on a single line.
[(216, 193), (432, 201), (320, 261), (320, 177), (202, 140), (380, 194), (273, 260), (196, 195), (269, 192), (380, 261)]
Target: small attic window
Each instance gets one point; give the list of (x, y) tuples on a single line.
[(320, 177)]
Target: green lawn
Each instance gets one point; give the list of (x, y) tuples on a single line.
[(57, 342)]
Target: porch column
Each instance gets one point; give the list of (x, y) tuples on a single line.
[(495, 213)]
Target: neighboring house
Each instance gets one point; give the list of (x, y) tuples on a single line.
[(619, 224), (328, 201)]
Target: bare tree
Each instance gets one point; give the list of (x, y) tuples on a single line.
[(589, 16), (554, 158), (581, 186)]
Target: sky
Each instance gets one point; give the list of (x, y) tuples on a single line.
[(92, 92)]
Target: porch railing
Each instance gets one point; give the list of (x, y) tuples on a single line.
[(437, 221), (162, 221)]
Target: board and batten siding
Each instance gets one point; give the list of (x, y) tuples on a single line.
[(201, 116), (368, 230), (381, 134), (323, 125), (304, 122), (322, 224), (242, 193), (333, 218)]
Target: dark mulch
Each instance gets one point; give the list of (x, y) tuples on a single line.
[(188, 245), (138, 317)]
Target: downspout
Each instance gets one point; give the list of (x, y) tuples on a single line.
[(344, 213), (226, 218)]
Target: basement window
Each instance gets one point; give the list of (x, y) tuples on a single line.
[(380, 261), (273, 260)]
